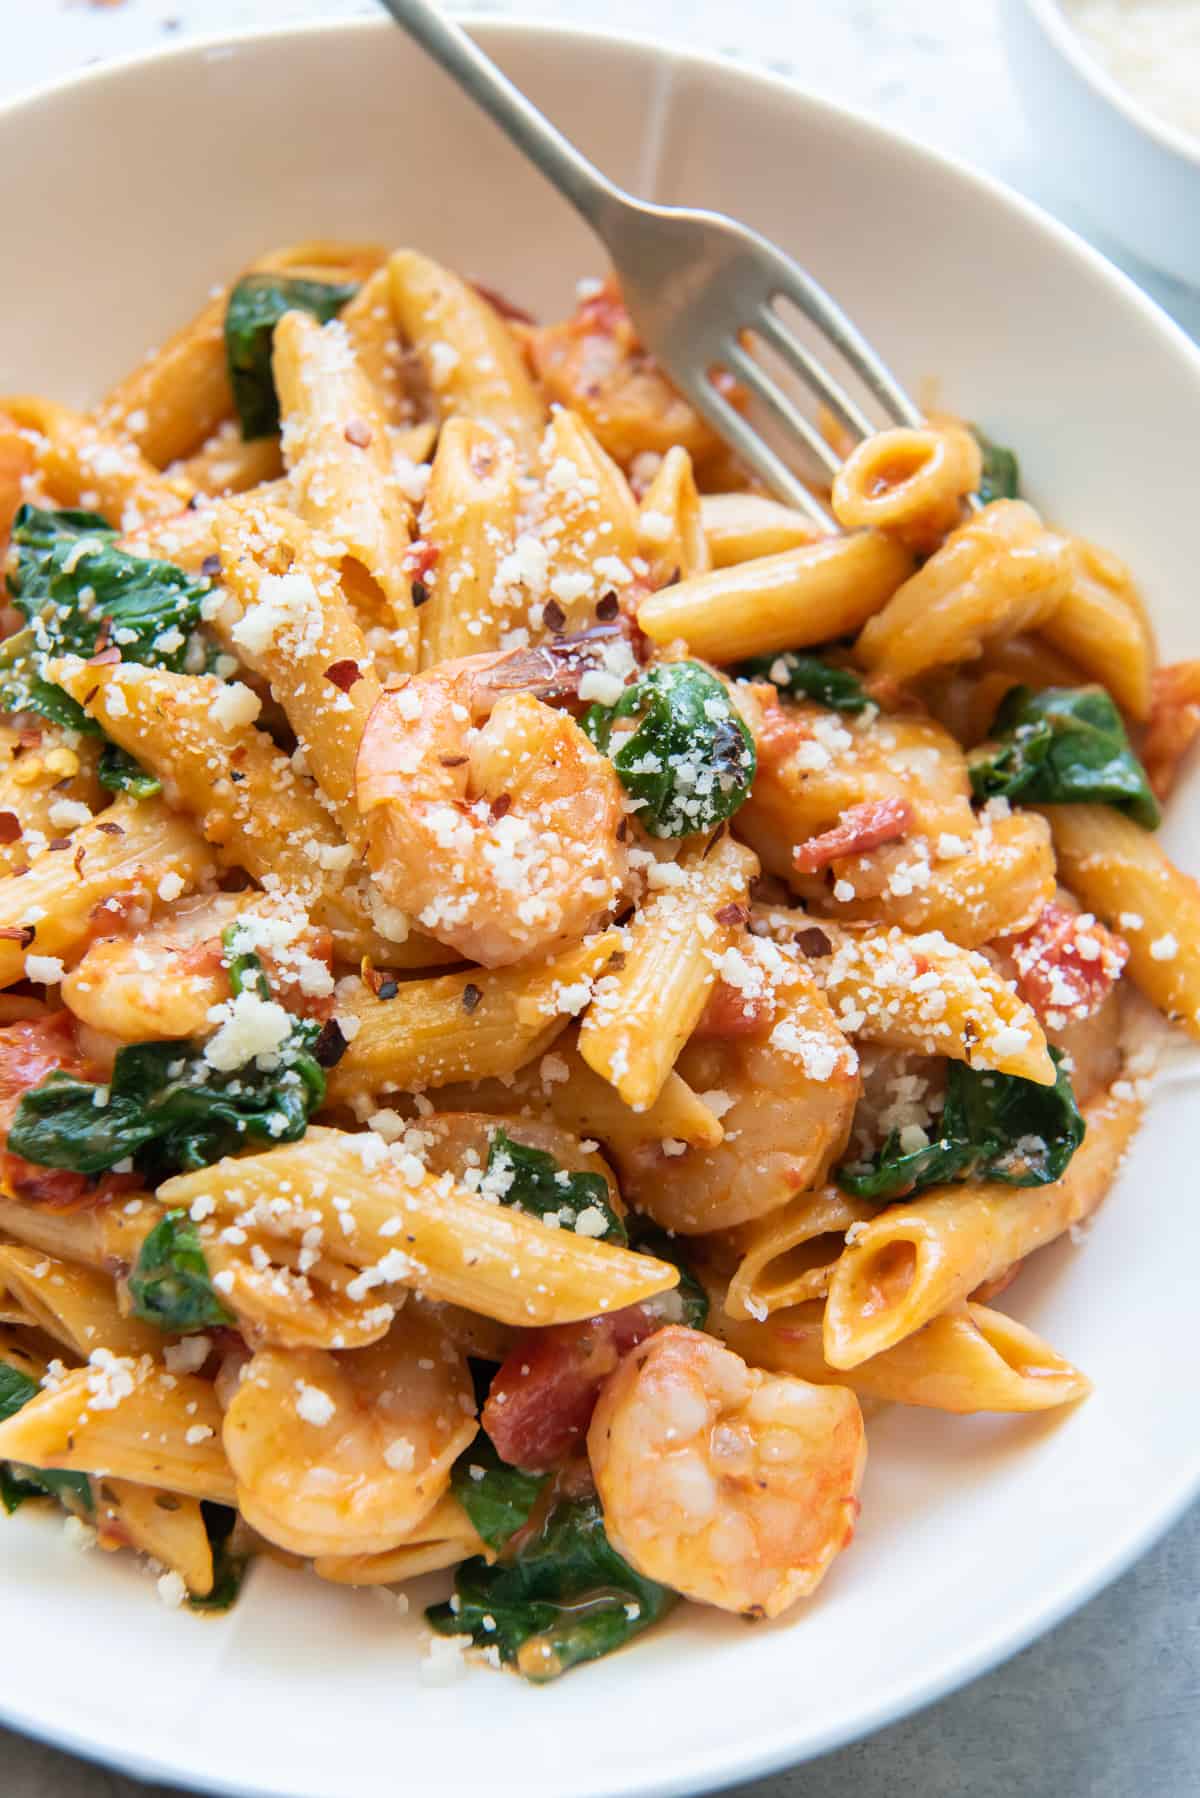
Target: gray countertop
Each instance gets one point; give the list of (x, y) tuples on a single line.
[(1107, 1705)]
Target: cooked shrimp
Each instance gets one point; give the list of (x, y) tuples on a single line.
[(734, 1486), (785, 1081), (163, 983), (344, 1454), (490, 816)]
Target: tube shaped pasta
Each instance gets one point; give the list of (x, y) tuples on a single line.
[(917, 1259), (198, 736), (166, 1526), (789, 1255), (809, 595), (1000, 572), (285, 616), (127, 1419), (340, 466), (418, 1230), (120, 859), (911, 482), (1100, 623), (926, 994), (968, 1359), (71, 1235), (378, 351), (76, 1306), (587, 523), (741, 527), (83, 465), (178, 397), (469, 518), (1123, 873), (461, 1026), (226, 463), (643, 1014), (670, 534), (470, 357)]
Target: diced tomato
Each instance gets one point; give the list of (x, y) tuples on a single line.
[(730, 1012), (859, 828), (1067, 964), (29, 1051), (545, 1391)]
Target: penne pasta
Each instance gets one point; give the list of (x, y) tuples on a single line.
[(917, 1259), (788, 1256), (75, 1306), (341, 471), (966, 1360), (164, 1525), (423, 1232), (741, 527), (85, 466), (813, 594), (469, 520), (1124, 875), (908, 482), (471, 360), (642, 1014), (127, 1420), (476, 1025), (1100, 624), (671, 533)]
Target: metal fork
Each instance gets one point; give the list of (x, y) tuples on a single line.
[(694, 283)]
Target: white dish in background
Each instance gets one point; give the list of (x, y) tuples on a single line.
[(131, 191), (1133, 173)]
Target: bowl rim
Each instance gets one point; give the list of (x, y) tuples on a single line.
[(1053, 22), (701, 1771)]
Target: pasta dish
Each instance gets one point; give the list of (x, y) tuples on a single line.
[(537, 985)]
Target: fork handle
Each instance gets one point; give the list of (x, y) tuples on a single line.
[(577, 179)]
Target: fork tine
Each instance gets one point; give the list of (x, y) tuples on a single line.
[(768, 324), (794, 285), (778, 404), (759, 456)]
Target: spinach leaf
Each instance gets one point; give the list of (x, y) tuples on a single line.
[(496, 1497), (256, 305), (689, 1296), (993, 1127), (170, 1284), (808, 677), (1063, 746), (120, 773), (1001, 477), (169, 1109), (230, 1563), (566, 1596), (70, 580), (532, 1180), (690, 761), (18, 1482)]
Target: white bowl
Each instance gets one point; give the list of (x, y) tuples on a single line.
[(1132, 173), (128, 192)]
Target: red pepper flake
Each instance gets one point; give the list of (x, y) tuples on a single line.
[(31, 738), (388, 988), (19, 933), (471, 996), (357, 432), (420, 559), (343, 674), (330, 1045), (503, 305), (10, 827), (501, 807), (733, 913), (107, 658), (608, 607), (813, 942), (58, 843), (420, 594), (454, 761), (211, 566), (111, 830), (553, 615), (103, 635)]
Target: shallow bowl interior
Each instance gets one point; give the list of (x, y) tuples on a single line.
[(137, 188)]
